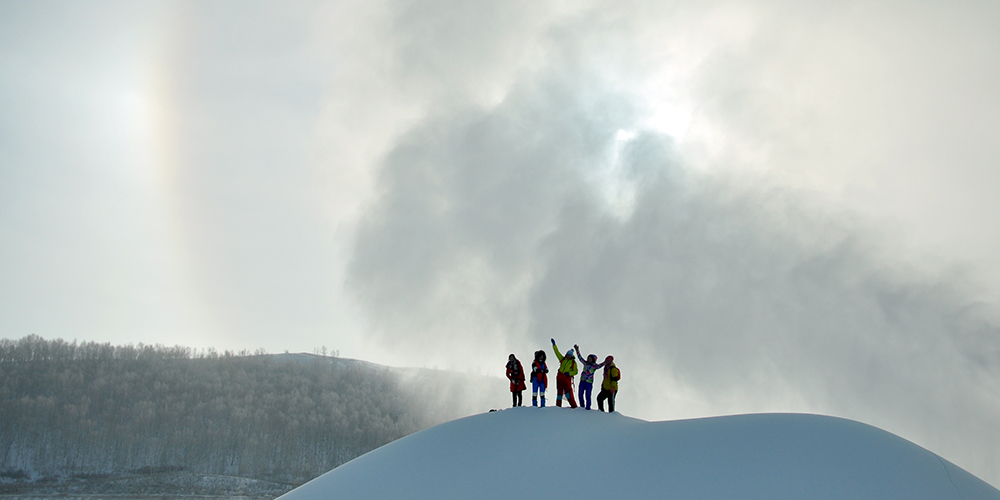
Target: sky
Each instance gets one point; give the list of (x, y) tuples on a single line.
[(754, 206)]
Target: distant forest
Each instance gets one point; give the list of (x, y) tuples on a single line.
[(74, 410)]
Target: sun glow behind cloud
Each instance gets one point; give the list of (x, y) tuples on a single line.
[(132, 158)]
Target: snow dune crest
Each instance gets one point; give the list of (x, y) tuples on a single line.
[(562, 453)]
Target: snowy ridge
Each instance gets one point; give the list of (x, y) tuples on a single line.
[(562, 453)]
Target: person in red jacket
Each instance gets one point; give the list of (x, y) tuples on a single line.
[(515, 373)]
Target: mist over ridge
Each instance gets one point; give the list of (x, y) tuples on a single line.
[(88, 418)]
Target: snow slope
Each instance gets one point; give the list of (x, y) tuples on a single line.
[(562, 453)]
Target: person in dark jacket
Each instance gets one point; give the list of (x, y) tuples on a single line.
[(515, 373), (539, 379)]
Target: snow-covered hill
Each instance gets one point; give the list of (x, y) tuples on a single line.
[(562, 453)]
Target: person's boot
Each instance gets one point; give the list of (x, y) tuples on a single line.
[(543, 401), (559, 402), (534, 401)]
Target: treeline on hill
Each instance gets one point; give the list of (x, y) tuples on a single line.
[(73, 410)]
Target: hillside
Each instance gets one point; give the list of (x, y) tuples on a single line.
[(95, 417), (562, 453)]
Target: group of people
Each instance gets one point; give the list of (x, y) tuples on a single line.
[(564, 378)]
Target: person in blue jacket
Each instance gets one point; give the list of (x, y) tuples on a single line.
[(539, 379)]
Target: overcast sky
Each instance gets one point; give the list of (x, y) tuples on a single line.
[(755, 206)]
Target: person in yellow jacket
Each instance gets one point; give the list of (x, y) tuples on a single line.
[(610, 385), (564, 379)]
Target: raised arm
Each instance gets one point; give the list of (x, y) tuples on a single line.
[(600, 365), (578, 355), (555, 348)]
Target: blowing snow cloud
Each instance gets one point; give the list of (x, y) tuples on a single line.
[(557, 213)]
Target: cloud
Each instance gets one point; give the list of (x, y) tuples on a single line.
[(559, 212)]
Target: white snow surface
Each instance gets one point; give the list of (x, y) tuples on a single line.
[(573, 453)]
